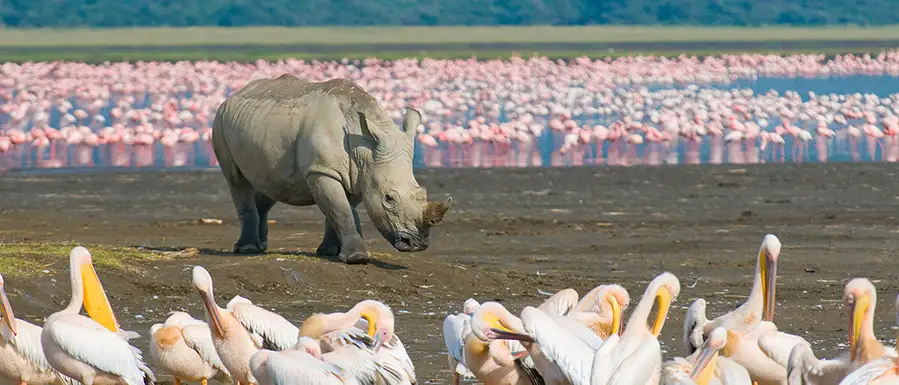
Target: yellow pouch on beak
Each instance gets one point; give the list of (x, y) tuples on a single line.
[(95, 302)]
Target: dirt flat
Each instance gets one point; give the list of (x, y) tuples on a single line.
[(511, 234)]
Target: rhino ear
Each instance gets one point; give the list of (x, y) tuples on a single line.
[(372, 132), (411, 121)]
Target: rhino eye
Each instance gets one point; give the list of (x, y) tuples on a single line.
[(390, 199)]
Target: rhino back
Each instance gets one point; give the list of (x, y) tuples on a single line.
[(277, 131)]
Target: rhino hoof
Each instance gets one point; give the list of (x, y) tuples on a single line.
[(248, 249), (327, 251), (356, 258)]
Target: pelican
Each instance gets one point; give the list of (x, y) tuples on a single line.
[(704, 366), (91, 350), (600, 310), (306, 364), (860, 297), (493, 362), (22, 360), (369, 325), (232, 341), (269, 329), (881, 371), (183, 347), (633, 358), (456, 327), (747, 316)]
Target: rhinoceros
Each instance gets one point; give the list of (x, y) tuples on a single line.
[(328, 144)]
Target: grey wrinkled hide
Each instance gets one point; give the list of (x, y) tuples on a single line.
[(330, 144)]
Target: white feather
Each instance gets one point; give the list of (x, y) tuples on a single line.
[(573, 356), (89, 342), (455, 328), (199, 338), (27, 343), (277, 333)]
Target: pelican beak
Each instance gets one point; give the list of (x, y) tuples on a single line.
[(769, 276), (372, 318), (95, 302), (502, 334), (664, 298), (856, 318), (213, 311), (8, 317), (521, 354), (616, 316), (705, 366)]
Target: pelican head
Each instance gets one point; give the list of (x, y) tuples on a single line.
[(85, 279), (492, 315), (607, 300), (470, 306), (694, 324), (704, 368), (310, 346), (665, 288), (767, 263), (203, 283), (6, 310), (861, 297), (380, 320)]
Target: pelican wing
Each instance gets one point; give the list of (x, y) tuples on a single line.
[(731, 373), (560, 303), (199, 338), (453, 329), (362, 366), (637, 365), (695, 323), (673, 372), (573, 356), (297, 367), (581, 331), (277, 333), (394, 354), (89, 342), (869, 372), (777, 346)]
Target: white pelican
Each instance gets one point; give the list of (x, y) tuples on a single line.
[(747, 316), (601, 309), (183, 347), (306, 364), (634, 358), (91, 350), (369, 325), (860, 297), (22, 360), (456, 327), (232, 341), (271, 330), (882, 371), (704, 366), (493, 362)]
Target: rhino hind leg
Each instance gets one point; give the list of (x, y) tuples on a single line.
[(339, 218), (264, 204), (249, 242)]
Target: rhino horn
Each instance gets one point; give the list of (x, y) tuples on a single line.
[(411, 121), (434, 211)]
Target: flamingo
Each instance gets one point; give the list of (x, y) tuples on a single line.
[(22, 359), (183, 347), (91, 350)]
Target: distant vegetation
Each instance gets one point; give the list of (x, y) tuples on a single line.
[(127, 13)]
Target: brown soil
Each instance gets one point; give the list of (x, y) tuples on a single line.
[(511, 234)]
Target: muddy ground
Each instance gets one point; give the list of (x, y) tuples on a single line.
[(511, 234)]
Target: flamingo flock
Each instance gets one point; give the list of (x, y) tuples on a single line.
[(478, 113), (566, 340)]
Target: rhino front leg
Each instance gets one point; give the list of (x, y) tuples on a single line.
[(243, 196), (330, 246), (340, 222), (264, 204)]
